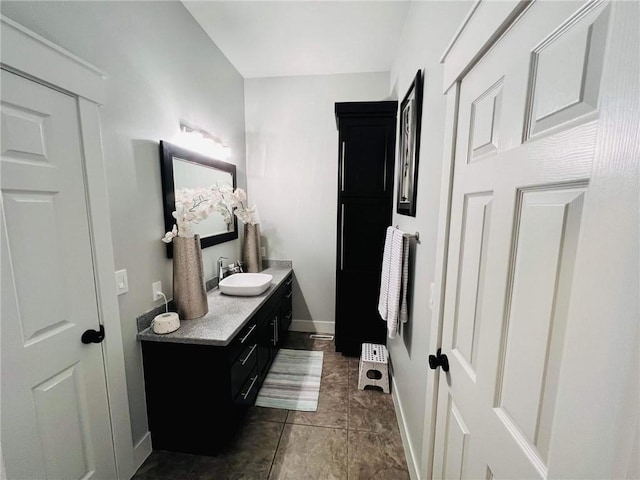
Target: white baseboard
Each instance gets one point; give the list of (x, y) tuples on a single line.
[(313, 326), (142, 450), (410, 455)]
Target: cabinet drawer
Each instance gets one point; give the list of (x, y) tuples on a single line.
[(286, 307), (243, 339), (287, 287), (242, 367), (249, 391)]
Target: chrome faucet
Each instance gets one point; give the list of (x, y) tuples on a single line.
[(221, 268)]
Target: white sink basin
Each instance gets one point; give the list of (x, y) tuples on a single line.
[(245, 284)]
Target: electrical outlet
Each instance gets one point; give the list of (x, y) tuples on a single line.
[(156, 288), (263, 251), (122, 282)]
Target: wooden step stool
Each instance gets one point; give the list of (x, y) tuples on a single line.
[(374, 359)]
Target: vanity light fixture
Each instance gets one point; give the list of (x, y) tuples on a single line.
[(202, 142)]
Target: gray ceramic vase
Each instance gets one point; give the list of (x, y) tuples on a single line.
[(188, 278), (251, 252)]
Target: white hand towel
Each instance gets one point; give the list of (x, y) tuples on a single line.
[(391, 280), (384, 276)]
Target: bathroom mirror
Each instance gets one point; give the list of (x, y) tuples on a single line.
[(182, 168)]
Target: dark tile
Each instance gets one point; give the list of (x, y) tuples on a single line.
[(332, 409), (325, 345), (335, 370), (376, 456), (371, 410), (248, 457), (354, 369), (161, 464), (212, 468), (264, 414), (311, 453)]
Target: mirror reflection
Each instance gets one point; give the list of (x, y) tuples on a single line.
[(187, 174)]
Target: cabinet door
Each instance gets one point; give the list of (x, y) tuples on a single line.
[(366, 157), (363, 224), (268, 340), (274, 324), (360, 250)]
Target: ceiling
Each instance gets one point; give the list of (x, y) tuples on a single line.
[(289, 38)]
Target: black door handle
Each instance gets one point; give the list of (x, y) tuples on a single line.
[(93, 336), (439, 360)]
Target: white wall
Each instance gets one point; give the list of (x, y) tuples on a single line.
[(428, 30), (162, 68), (292, 174)]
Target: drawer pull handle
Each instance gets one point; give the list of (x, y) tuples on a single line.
[(242, 362), (289, 295), (290, 315), (275, 331), (253, 382), (289, 282), (244, 339)]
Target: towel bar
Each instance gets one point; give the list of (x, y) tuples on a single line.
[(412, 235)]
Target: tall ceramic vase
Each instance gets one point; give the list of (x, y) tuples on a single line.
[(251, 251), (188, 278)]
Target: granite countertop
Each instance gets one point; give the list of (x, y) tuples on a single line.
[(227, 315)]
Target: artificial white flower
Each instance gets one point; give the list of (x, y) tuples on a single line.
[(168, 237), (193, 205), (247, 215), (226, 189), (238, 198)]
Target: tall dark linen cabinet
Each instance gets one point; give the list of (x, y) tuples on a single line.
[(367, 136)]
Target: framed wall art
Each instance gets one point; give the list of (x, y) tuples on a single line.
[(408, 153)]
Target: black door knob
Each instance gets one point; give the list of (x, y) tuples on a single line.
[(439, 360), (93, 336)]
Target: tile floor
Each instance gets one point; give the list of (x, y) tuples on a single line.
[(353, 435)]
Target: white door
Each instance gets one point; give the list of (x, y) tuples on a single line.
[(55, 417), (541, 302)]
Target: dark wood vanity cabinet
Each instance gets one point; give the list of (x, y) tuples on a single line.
[(367, 134), (196, 394)]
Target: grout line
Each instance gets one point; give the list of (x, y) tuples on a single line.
[(275, 452), (270, 421), (317, 426)]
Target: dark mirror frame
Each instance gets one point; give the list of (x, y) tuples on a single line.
[(414, 94), (167, 153)]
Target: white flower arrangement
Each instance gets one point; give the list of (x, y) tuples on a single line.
[(195, 204)]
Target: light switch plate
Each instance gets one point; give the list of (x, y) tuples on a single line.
[(122, 282)]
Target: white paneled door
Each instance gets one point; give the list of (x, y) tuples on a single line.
[(55, 417), (540, 332)]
